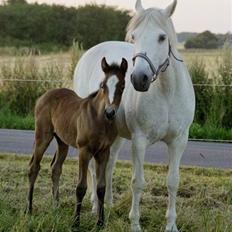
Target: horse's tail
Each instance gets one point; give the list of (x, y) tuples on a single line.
[(89, 182), (53, 160), (32, 158)]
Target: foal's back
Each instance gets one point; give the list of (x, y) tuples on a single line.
[(57, 111)]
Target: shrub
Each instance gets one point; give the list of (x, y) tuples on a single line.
[(27, 80)]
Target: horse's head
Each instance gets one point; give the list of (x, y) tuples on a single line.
[(152, 32), (113, 85)]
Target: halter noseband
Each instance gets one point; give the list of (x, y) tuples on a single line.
[(162, 67)]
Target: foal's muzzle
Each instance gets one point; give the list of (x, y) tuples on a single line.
[(110, 113)]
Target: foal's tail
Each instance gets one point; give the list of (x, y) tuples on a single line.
[(53, 160), (32, 158)]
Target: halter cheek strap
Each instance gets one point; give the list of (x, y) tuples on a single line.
[(162, 67)]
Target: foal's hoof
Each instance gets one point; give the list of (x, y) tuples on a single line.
[(100, 224), (76, 225), (28, 210)]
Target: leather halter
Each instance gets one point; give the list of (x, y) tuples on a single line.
[(162, 67)]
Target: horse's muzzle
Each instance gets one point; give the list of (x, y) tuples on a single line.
[(110, 113), (141, 82)]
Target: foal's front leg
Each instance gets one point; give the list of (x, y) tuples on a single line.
[(101, 163), (84, 159)]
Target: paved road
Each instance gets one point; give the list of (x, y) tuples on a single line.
[(202, 154)]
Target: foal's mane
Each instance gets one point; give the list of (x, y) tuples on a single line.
[(152, 15)]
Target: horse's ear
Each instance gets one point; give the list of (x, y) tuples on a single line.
[(104, 65), (124, 65), (170, 9), (138, 6)]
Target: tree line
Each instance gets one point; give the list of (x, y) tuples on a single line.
[(23, 24), (48, 27)]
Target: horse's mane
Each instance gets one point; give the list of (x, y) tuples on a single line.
[(155, 15), (93, 95)]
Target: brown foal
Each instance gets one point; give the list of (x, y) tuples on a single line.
[(86, 124)]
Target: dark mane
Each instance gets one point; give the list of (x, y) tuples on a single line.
[(114, 67), (93, 95)]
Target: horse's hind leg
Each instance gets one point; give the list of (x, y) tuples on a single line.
[(175, 150), (42, 140), (58, 160)]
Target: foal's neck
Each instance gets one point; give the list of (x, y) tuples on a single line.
[(98, 103)]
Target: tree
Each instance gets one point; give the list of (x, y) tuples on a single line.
[(205, 39), (12, 2)]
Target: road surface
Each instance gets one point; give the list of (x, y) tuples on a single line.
[(203, 154)]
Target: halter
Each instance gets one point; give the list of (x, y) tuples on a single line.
[(162, 67)]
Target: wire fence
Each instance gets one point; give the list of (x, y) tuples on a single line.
[(71, 81)]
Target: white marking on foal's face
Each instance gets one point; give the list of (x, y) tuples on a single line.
[(111, 84)]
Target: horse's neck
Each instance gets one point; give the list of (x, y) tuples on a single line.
[(98, 103), (170, 81)]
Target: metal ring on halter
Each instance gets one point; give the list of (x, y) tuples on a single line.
[(162, 67)]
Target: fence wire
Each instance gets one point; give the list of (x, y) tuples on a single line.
[(71, 81)]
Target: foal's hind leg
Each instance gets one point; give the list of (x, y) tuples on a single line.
[(42, 140), (57, 162)]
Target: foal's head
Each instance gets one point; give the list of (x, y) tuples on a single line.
[(113, 86)]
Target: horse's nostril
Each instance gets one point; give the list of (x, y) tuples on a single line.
[(145, 78), (110, 113)]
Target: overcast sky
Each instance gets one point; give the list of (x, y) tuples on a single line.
[(190, 15)]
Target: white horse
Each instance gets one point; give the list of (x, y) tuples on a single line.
[(158, 102)]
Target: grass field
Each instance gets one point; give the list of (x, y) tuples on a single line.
[(204, 200), (63, 59)]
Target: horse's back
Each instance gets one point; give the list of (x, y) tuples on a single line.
[(88, 73)]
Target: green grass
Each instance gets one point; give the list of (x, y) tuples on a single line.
[(204, 200), (12, 121)]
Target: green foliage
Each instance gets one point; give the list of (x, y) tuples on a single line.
[(205, 39), (32, 25), (100, 23), (214, 100)]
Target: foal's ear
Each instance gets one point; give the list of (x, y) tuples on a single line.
[(170, 9), (124, 65), (104, 65)]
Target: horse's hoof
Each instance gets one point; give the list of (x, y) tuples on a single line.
[(171, 228), (28, 210), (100, 224), (136, 228), (76, 225)]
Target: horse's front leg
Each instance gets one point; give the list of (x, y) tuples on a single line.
[(101, 162), (139, 144), (84, 158), (175, 150)]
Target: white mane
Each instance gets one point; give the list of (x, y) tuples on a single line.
[(152, 15)]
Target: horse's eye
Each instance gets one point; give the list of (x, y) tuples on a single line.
[(162, 38), (102, 85)]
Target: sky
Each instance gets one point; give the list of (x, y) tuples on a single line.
[(190, 15)]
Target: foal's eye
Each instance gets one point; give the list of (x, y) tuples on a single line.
[(162, 38), (132, 37)]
